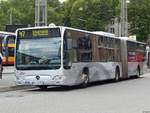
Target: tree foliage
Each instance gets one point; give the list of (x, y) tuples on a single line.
[(89, 14), (22, 12), (139, 18)]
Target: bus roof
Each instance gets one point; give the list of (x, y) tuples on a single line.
[(5, 34), (85, 31), (126, 38), (104, 33)]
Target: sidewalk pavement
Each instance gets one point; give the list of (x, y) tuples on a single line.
[(7, 83), (8, 69), (8, 77)]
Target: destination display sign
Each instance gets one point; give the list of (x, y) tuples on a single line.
[(39, 33)]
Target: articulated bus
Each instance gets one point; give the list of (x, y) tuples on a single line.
[(64, 56), (8, 45)]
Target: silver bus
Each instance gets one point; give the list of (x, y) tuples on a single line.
[(64, 56)]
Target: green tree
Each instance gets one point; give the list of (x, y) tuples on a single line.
[(139, 18), (22, 12), (55, 14), (66, 10), (3, 14), (88, 14)]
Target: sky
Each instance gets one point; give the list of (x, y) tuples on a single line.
[(62, 0)]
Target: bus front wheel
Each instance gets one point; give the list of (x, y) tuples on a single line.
[(138, 71)]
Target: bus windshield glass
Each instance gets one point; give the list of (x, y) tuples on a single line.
[(38, 53)]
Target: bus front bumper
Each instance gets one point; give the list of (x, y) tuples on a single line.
[(45, 80)]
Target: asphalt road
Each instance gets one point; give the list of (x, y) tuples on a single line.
[(129, 96)]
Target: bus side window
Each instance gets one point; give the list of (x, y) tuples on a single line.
[(84, 43), (84, 49), (86, 57)]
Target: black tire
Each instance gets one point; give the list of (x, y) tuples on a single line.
[(138, 72), (117, 74), (44, 87)]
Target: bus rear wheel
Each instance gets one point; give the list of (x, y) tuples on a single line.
[(117, 74), (138, 72)]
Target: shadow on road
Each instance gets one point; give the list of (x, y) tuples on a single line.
[(77, 87)]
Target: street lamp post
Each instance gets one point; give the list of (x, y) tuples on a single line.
[(40, 10), (124, 19), (121, 24)]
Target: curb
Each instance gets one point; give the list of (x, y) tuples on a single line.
[(14, 88)]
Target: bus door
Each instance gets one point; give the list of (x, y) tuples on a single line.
[(124, 59)]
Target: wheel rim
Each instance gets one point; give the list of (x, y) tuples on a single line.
[(85, 79)]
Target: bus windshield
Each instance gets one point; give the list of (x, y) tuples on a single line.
[(38, 53)]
